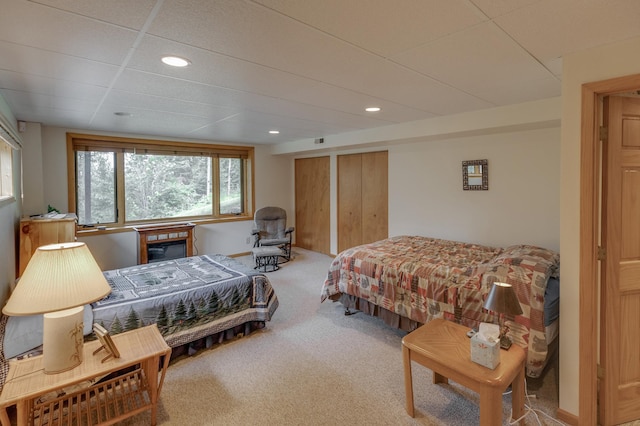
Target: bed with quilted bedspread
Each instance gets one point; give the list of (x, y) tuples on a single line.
[(195, 301), (410, 280)]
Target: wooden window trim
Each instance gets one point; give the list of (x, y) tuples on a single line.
[(76, 141)]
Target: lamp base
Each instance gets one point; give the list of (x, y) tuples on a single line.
[(62, 340), (505, 342)]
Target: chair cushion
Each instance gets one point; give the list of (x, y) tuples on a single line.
[(271, 228), (273, 241), (266, 251)]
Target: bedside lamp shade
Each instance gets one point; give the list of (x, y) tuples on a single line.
[(58, 281), (502, 299)]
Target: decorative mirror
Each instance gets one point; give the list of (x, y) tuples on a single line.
[(475, 175)]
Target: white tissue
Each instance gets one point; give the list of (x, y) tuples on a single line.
[(488, 332)]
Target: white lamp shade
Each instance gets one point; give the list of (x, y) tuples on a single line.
[(58, 276)]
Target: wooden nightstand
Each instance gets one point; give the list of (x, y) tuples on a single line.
[(444, 347), (133, 386)]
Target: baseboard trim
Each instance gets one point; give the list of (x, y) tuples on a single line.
[(239, 254), (567, 417)]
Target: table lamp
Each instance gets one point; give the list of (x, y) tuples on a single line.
[(57, 282), (502, 300)]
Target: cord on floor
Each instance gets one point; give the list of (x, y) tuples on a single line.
[(529, 409)]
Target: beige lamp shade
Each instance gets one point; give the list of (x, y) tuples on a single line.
[(502, 299), (58, 276)]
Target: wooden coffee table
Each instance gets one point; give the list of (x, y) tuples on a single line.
[(443, 347)]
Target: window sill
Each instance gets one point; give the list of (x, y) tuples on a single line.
[(5, 200), (87, 231)]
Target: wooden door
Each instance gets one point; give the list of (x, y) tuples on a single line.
[(375, 203), (362, 198), (312, 204), (620, 279), (349, 201)]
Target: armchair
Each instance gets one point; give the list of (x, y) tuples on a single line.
[(270, 229)]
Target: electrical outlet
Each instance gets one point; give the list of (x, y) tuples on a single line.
[(248, 240)]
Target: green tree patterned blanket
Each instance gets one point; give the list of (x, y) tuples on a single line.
[(188, 298)]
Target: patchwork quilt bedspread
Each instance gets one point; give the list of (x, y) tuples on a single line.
[(425, 278), (189, 298)]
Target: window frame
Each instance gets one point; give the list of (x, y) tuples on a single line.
[(9, 142), (119, 145), (6, 171)]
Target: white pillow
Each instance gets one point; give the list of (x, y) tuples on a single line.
[(25, 333)]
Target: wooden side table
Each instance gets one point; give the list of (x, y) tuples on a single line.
[(443, 347), (133, 384)]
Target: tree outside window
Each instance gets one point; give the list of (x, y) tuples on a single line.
[(128, 181)]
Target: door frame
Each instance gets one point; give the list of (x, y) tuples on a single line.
[(589, 238)]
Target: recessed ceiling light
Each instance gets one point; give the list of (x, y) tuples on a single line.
[(175, 61), (274, 132), (372, 109)]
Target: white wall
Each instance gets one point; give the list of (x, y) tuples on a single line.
[(520, 207), (522, 145), (33, 201), (616, 60)]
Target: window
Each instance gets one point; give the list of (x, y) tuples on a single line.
[(9, 141), (6, 170), (231, 183), (118, 181)]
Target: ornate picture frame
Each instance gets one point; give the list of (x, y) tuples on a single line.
[(475, 175)]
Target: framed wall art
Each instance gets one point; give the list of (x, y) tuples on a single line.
[(107, 343), (475, 175)]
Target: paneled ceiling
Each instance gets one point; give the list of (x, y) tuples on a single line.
[(307, 68)]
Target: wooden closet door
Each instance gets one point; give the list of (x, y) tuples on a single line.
[(362, 198), (312, 204), (375, 203), (349, 201)]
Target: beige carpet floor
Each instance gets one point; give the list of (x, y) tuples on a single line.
[(312, 365)]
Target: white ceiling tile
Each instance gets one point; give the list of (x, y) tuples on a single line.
[(493, 8), (156, 123), (550, 29), (48, 110), (495, 59), (308, 67), (132, 102), (226, 72), (377, 28), (53, 30), (126, 13), (55, 66), (27, 100), (281, 43), (254, 126), (15, 81), (512, 91)]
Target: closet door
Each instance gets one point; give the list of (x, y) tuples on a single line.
[(312, 204), (362, 198), (375, 203), (349, 201)]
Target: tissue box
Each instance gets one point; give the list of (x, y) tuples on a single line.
[(485, 353)]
